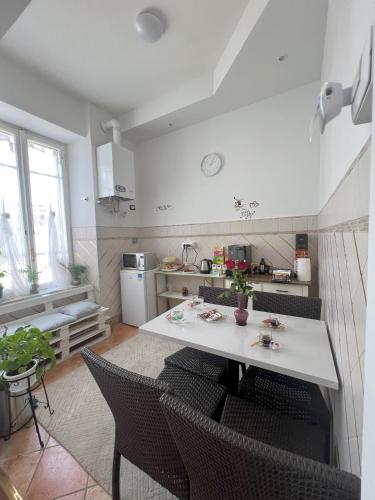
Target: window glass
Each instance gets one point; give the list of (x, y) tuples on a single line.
[(46, 189)]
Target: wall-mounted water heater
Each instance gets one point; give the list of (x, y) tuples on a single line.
[(333, 97), (115, 166)]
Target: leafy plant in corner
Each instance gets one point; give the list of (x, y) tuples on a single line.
[(76, 270), (19, 350)]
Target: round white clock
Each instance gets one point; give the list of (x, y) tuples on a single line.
[(211, 164)]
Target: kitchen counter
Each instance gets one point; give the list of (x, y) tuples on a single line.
[(253, 278)]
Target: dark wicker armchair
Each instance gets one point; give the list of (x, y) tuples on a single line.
[(203, 363), (222, 463), (291, 305), (281, 393), (142, 434), (214, 295)]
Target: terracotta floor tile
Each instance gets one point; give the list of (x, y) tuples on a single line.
[(21, 468), (57, 474), (97, 493), (22, 442), (78, 495)]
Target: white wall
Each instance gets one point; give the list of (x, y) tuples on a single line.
[(26, 90), (348, 25), (268, 158)]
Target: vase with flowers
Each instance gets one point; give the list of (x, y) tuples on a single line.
[(244, 291)]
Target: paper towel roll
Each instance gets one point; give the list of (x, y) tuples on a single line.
[(303, 269)]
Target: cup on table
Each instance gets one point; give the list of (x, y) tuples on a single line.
[(177, 315), (265, 336)]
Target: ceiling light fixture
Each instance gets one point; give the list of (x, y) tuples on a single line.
[(149, 26), (282, 58)]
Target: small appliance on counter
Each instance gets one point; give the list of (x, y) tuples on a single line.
[(206, 266), (303, 269), (239, 252), (282, 275), (143, 261)]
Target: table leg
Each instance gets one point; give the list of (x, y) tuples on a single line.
[(233, 375)]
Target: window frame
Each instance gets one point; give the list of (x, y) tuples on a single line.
[(22, 135)]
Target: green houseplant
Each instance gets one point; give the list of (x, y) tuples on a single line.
[(76, 271), (2, 275), (20, 354), (243, 289), (32, 276)]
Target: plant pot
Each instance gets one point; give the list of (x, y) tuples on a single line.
[(76, 281), (19, 382), (241, 314), (1, 291), (34, 288)]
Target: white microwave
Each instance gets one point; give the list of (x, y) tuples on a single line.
[(144, 261)]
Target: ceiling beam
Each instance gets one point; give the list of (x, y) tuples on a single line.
[(10, 10)]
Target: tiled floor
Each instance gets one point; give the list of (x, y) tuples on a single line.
[(53, 473)]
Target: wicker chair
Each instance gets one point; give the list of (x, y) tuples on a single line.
[(281, 431), (291, 305), (203, 363), (214, 295), (281, 393), (222, 463), (141, 431)]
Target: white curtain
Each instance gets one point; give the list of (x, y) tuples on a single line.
[(57, 254), (11, 260)]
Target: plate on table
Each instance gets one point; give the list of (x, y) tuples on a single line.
[(212, 315), (270, 323)]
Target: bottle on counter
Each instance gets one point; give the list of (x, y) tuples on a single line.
[(262, 266)]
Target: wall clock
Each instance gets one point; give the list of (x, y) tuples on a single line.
[(211, 164)]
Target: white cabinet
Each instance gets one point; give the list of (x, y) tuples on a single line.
[(292, 289), (282, 288)]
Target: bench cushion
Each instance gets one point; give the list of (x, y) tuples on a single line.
[(51, 321), (11, 329), (79, 309)]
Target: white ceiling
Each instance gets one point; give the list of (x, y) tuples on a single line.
[(293, 27), (90, 47)]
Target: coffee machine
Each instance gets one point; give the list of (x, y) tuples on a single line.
[(240, 252)]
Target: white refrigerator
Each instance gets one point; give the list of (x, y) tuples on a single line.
[(138, 296)]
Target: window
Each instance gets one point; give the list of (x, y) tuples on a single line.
[(34, 226)]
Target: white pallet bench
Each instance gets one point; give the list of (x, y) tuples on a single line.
[(72, 337)]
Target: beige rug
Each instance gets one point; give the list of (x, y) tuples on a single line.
[(84, 425)]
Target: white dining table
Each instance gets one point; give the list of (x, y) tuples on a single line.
[(305, 350)]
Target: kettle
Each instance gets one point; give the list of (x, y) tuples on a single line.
[(206, 266)]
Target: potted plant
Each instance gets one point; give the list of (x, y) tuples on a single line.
[(2, 275), (244, 291), (21, 354), (32, 276), (76, 271)]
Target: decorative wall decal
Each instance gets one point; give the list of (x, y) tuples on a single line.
[(246, 209), (162, 208)]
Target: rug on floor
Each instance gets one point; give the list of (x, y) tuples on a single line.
[(84, 425)]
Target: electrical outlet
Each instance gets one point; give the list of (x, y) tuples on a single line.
[(188, 244)]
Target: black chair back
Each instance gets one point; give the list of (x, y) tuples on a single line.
[(142, 434), (222, 463), (214, 295), (290, 305)]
